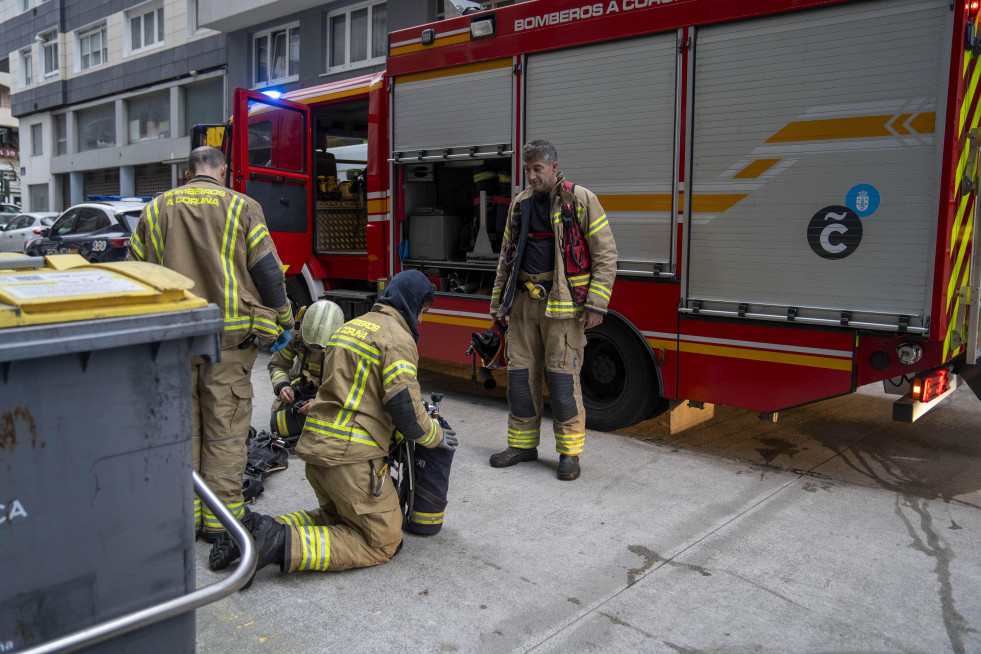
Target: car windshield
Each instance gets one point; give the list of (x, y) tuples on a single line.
[(129, 219)]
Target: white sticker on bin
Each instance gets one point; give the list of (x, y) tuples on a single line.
[(66, 284)]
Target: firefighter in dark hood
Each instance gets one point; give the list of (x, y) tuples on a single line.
[(371, 392), (554, 279)]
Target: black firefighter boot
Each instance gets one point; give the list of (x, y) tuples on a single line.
[(512, 456), (270, 541), (568, 467)]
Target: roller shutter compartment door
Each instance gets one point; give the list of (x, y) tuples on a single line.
[(609, 109), (448, 109), (816, 161)]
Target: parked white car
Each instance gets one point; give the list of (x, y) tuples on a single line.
[(23, 228)]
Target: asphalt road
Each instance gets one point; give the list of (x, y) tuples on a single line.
[(832, 530)]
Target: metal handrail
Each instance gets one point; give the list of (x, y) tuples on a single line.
[(171, 608)]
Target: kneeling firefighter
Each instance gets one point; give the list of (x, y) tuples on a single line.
[(295, 392), (371, 392)]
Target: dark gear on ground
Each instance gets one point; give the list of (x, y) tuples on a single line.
[(252, 488), (267, 454)]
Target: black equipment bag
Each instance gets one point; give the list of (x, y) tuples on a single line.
[(422, 479)]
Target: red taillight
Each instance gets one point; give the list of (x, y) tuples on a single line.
[(932, 386), (37, 231), (972, 7), (119, 242)]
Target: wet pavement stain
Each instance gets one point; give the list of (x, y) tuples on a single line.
[(774, 447), (928, 541), (651, 558), (622, 623)]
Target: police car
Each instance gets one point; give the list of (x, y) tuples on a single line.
[(98, 230)]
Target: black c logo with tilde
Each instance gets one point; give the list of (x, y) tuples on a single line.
[(834, 232)]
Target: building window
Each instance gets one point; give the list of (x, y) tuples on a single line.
[(26, 67), (37, 140), (92, 50), (61, 134), (39, 197), (96, 127), (357, 37), (49, 53), (146, 27), (149, 117), (277, 55), (203, 104), (23, 5)]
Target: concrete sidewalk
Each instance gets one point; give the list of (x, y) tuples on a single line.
[(656, 548)]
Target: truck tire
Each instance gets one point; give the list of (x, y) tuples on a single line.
[(297, 293), (619, 382)]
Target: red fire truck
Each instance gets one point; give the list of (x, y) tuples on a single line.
[(791, 185)]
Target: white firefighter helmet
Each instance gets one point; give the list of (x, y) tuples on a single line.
[(320, 321)]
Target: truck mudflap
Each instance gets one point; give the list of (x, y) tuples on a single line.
[(926, 390)]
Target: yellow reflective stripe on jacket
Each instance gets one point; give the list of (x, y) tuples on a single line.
[(525, 439), (421, 518), (137, 244), (287, 353), (286, 315), (356, 346), (155, 235), (227, 254), (495, 294), (313, 367), (267, 326), (579, 280), (569, 443), (429, 438), (599, 224), (255, 236), (555, 305), (315, 546), (556, 217), (482, 177), (352, 434), (280, 375), (397, 369), (356, 393), (600, 290)]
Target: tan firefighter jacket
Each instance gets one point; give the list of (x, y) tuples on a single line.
[(370, 360), (281, 364), (602, 251), (214, 236)]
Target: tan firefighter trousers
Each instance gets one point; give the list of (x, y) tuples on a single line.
[(221, 414), (537, 346), (352, 528)]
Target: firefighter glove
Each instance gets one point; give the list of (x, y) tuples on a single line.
[(449, 441), (281, 341)]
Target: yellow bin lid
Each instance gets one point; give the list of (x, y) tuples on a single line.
[(69, 288)]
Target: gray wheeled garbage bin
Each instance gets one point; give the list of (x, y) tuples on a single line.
[(96, 505)]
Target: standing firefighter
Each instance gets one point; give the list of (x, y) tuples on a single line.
[(295, 392), (218, 238), (371, 392), (554, 278)]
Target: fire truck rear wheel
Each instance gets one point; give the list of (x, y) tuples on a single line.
[(619, 382), (297, 293)]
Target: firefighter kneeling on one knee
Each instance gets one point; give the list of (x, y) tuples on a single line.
[(371, 392), (305, 354)]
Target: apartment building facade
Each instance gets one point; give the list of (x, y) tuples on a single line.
[(107, 91)]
